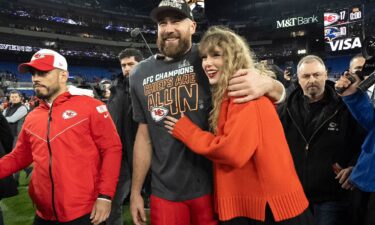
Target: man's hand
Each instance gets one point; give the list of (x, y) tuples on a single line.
[(137, 209), (248, 85), (344, 82), (343, 177), (100, 212)]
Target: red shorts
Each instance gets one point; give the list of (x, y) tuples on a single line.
[(198, 211)]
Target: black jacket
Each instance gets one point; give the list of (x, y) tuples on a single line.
[(6, 137), (121, 110), (318, 140), (8, 186)]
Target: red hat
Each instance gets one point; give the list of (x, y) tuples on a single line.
[(44, 60)]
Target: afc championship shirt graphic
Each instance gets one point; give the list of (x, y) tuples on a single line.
[(171, 92)]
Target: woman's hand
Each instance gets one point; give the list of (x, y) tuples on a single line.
[(170, 122)]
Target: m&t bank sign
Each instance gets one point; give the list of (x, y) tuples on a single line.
[(296, 21)]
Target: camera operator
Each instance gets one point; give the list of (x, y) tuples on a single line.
[(363, 174), (356, 64)]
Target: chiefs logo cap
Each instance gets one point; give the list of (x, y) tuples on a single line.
[(44, 60)]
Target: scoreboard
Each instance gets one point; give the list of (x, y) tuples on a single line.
[(343, 28)]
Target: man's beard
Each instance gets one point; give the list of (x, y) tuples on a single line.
[(314, 91), (47, 96), (173, 51)]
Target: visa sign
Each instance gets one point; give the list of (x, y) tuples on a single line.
[(345, 44), (296, 21)]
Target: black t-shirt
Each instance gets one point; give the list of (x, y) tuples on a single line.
[(160, 88)]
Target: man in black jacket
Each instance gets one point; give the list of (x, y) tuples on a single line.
[(323, 138), (8, 186), (120, 108)]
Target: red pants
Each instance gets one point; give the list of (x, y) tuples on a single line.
[(198, 211)]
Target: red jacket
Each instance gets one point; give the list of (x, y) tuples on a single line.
[(252, 162), (75, 156)]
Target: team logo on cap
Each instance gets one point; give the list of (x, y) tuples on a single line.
[(159, 113), (38, 56), (174, 4), (68, 114)]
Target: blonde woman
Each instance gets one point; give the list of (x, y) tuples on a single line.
[(255, 181)]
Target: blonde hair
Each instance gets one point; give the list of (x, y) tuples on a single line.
[(236, 55)]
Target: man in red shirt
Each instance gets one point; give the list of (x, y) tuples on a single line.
[(74, 147)]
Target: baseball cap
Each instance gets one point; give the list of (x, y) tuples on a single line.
[(44, 60), (177, 6)]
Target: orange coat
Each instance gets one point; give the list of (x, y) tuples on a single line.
[(252, 162)]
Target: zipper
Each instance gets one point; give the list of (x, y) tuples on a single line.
[(307, 146), (300, 132), (50, 161), (321, 125)]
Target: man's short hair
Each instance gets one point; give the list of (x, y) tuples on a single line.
[(129, 52), (15, 92), (310, 58)]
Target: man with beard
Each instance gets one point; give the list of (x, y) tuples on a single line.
[(74, 147), (8, 187), (323, 138), (172, 83), (120, 108)]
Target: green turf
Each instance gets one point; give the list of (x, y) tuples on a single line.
[(18, 210)]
